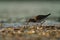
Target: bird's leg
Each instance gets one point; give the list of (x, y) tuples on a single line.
[(42, 22)]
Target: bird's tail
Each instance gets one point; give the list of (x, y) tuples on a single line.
[(49, 14)]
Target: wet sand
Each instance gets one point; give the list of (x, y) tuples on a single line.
[(30, 33)]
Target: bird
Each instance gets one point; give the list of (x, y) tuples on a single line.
[(38, 18)]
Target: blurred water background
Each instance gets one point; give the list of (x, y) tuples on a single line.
[(19, 11)]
